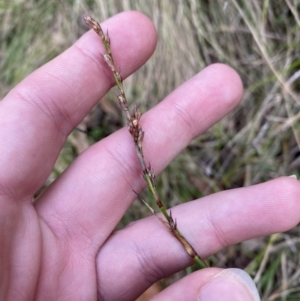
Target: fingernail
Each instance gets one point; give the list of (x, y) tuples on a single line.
[(229, 285), (293, 176)]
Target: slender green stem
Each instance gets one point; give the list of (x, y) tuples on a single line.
[(137, 134), (200, 263)]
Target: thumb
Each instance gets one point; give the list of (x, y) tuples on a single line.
[(229, 285), (212, 284)]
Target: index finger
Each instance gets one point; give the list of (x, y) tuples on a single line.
[(37, 115)]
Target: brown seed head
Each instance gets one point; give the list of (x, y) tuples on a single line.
[(137, 114), (189, 249), (119, 77), (106, 38), (107, 58), (140, 138), (151, 174), (135, 122), (92, 23), (122, 99)]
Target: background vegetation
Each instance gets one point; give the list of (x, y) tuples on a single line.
[(257, 142)]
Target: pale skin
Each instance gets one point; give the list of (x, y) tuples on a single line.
[(62, 247)]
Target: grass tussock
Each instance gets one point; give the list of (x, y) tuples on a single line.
[(257, 142)]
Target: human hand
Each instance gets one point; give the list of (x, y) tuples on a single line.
[(62, 247)]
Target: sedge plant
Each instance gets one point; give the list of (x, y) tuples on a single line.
[(133, 122)]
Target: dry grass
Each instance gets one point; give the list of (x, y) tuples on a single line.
[(257, 142)]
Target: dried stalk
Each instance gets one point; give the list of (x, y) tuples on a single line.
[(138, 135)]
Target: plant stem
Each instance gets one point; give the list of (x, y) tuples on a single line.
[(138, 135)]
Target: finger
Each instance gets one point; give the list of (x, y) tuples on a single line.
[(212, 285), (37, 115), (99, 184), (147, 252)]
